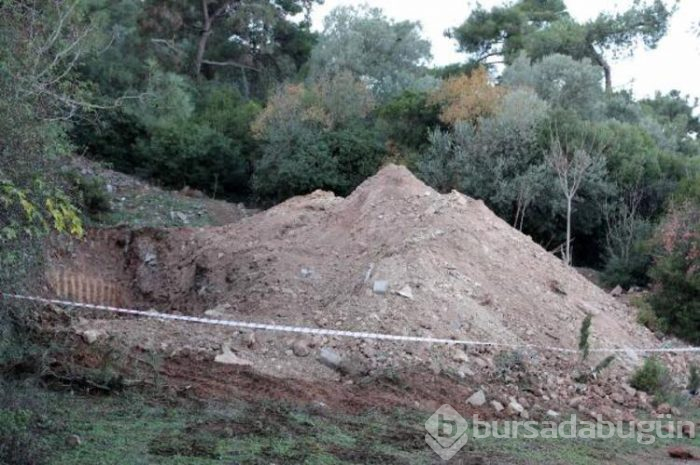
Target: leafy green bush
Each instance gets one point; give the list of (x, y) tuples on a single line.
[(652, 378), (676, 272), (647, 317), (693, 378)]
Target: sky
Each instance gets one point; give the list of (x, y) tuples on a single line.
[(674, 64)]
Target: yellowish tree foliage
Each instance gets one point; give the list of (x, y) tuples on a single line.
[(467, 97), (329, 102)]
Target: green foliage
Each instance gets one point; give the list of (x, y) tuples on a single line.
[(584, 336), (604, 364), (652, 377), (381, 52), (561, 81), (544, 28), (186, 153), (693, 378), (675, 277), (646, 315), (407, 119), (92, 193), (316, 137)]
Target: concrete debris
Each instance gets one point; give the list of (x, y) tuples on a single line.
[(229, 358), (380, 287), (406, 292), (477, 399)]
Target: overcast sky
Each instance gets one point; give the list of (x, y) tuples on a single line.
[(674, 64)]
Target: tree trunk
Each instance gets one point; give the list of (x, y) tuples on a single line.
[(203, 39), (567, 255), (607, 71)]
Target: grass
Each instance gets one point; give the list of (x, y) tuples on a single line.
[(131, 428)]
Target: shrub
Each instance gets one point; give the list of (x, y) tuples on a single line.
[(676, 272), (652, 378), (647, 317), (92, 193), (694, 379)]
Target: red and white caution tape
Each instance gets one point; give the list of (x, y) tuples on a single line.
[(331, 332)]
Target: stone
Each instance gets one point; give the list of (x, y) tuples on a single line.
[(330, 358), (90, 336), (229, 358), (663, 409), (301, 348), (73, 440), (380, 287), (250, 340), (458, 355), (617, 398), (514, 408), (306, 273), (477, 399), (675, 411), (617, 292), (219, 310), (406, 292), (497, 406), (629, 390), (552, 414)]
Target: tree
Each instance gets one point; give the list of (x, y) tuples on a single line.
[(560, 80), (386, 55), (467, 97), (498, 160), (573, 162), (542, 28), (316, 136)]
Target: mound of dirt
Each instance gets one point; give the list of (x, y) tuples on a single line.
[(451, 268)]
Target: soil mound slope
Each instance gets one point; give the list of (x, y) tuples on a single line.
[(453, 269)]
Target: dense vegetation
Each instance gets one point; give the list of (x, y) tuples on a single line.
[(239, 98)]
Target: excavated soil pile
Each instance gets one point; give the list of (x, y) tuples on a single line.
[(453, 269)]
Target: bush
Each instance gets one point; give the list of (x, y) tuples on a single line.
[(652, 378), (91, 192), (676, 272), (647, 317)]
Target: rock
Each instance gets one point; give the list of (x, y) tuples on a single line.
[(477, 399), (380, 287), (90, 336), (306, 273), (458, 355), (301, 348), (219, 310), (617, 292), (330, 358), (229, 358), (629, 390), (575, 402), (250, 340), (617, 398), (680, 453), (73, 440), (497, 406), (406, 292), (663, 409), (675, 411), (552, 414), (514, 408)]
